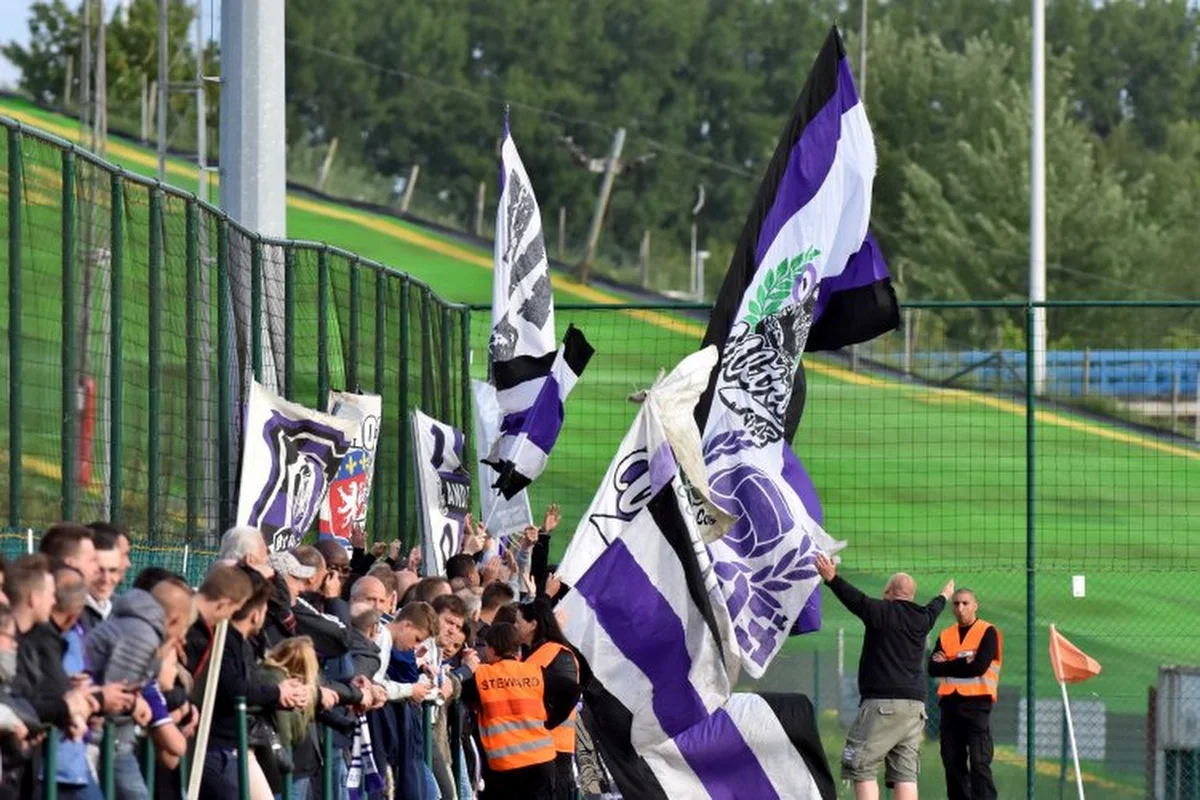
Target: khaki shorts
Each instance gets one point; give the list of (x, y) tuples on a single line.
[(889, 730)]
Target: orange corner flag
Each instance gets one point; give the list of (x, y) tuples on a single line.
[(1071, 665)]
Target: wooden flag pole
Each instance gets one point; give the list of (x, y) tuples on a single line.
[(1071, 735), (206, 711)]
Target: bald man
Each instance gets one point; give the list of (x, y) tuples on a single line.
[(891, 682)]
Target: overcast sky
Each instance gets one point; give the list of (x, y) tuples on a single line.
[(13, 25)]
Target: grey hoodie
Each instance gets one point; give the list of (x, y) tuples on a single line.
[(125, 646)]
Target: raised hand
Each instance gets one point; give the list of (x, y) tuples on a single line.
[(825, 567), (552, 518)]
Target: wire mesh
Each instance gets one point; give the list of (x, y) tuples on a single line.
[(919, 443)]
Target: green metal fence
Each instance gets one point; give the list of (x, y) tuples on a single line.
[(131, 338), (128, 359)]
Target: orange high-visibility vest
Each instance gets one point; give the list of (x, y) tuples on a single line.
[(985, 685), (512, 719), (564, 734)]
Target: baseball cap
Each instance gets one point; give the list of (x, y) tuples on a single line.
[(287, 564)]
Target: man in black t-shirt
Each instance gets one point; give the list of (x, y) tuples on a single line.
[(891, 682)]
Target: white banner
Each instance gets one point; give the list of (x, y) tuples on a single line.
[(290, 455), (500, 516), (443, 489), (346, 504)]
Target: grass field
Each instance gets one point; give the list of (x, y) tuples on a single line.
[(928, 480)]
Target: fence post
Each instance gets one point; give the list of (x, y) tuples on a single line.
[(562, 232), (1175, 400), (148, 757), (224, 398), (50, 766), (14, 327), (256, 307), (116, 377), (380, 354), (447, 338), (289, 322), (243, 748), (1030, 561), (403, 435), (480, 202), (195, 466), (426, 355), (352, 384), (69, 471), (326, 761), (1087, 370), (154, 334), (409, 187), (427, 730), (108, 773), (467, 422), (322, 326)]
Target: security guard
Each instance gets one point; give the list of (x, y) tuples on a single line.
[(967, 662), (564, 733), (510, 697)]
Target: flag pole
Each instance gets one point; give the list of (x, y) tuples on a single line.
[(206, 709), (1071, 735)]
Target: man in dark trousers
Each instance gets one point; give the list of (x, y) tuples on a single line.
[(966, 661), (891, 682)]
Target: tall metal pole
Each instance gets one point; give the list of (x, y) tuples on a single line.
[(100, 118), (163, 79), (253, 182), (1037, 198)]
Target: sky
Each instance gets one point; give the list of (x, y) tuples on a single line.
[(12, 27), (14, 16)]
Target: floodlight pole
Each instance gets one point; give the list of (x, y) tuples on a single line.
[(1037, 198)]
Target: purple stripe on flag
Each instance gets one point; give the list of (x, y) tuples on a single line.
[(542, 421), (809, 162), (809, 620), (721, 759), (663, 467), (644, 627), (862, 269), (795, 476)]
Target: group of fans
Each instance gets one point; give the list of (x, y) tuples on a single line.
[(347, 661)]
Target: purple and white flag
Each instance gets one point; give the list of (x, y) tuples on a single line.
[(648, 615), (290, 456), (443, 490), (531, 373), (806, 275)]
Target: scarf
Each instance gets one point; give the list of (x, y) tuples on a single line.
[(363, 779)]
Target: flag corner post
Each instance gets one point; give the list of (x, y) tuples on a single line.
[(1071, 737)]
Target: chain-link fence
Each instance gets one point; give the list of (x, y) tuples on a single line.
[(136, 317), (1079, 506)]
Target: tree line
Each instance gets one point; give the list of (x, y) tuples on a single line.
[(705, 85)]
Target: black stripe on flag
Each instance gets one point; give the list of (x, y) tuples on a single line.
[(796, 714), (577, 352), (515, 371), (818, 90)]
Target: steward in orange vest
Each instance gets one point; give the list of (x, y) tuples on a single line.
[(966, 661), (547, 646), (510, 698)]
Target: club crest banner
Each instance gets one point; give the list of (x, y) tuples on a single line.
[(290, 456), (443, 489), (501, 516), (346, 503)]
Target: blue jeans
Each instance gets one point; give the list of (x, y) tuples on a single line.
[(220, 781), (89, 792), (299, 789), (128, 774)]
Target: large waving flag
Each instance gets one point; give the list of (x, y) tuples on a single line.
[(532, 375), (806, 274), (648, 616)]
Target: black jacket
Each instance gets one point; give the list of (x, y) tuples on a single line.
[(238, 678), (40, 675), (892, 663)]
